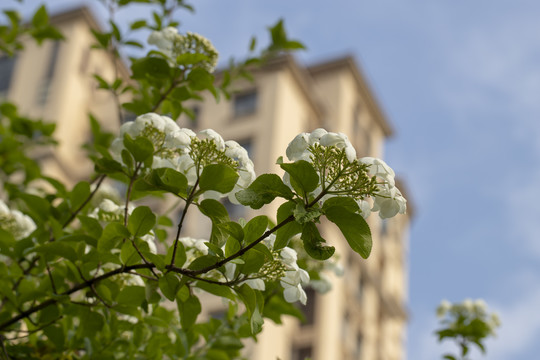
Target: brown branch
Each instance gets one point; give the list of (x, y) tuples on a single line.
[(180, 224), (165, 94), (127, 269), (241, 251)]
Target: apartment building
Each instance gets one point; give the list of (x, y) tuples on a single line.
[(364, 316)]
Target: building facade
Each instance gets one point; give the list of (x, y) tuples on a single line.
[(364, 316)]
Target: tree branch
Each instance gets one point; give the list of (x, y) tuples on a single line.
[(76, 212)]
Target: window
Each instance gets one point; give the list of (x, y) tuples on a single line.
[(7, 65), (44, 89), (248, 145), (358, 348), (218, 314), (303, 352), (309, 308), (384, 227), (245, 103), (128, 116), (235, 211), (196, 113), (360, 288)]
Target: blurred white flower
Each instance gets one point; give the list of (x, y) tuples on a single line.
[(379, 168), (443, 308), (255, 284), (298, 148), (322, 286), (212, 135), (388, 201), (15, 222), (294, 294)]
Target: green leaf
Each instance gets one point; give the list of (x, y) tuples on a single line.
[(169, 284), (187, 59), (56, 336), (141, 221), (189, 310), (255, 228), (353, 227), (7, 241), (313, 241), (218, 214), (248, 296), (128, 254), (37, 206), (169, 180), (278, 34), (93, 322), (54, 249), (203, 262), (234, 229), (345, 202), (108, 166), (152, 295), (304, 178), (91, 226), (218, 290), (138, 24), (131, 295), (111, 236), (79, 194), (232, 246), (200, 79), (252, 43), (150, 67), (263, 191), (141, 148), (218, 177), (78, 238), (181, 93), (40, 18), (287, 231), (254, 260), (180, 257)]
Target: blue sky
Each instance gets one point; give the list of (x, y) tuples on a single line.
[(460, 82)]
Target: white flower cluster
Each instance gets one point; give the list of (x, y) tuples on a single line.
[(110, 211), (172, 45), (173, 145), (294, 277), (298, 148), (15, 222), (470, 309), (388, 200), (194, 248)]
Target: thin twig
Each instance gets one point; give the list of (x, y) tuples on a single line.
[(5, 355), (76, 212), (50, 277), (129, 190), (180, 224)]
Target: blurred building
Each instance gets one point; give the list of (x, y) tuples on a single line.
[(364, 316), (54, 81)]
